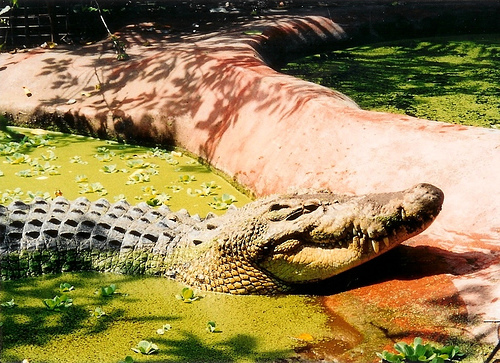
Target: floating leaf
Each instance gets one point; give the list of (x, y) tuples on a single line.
[(77, 160), (104, 158), (8, 304), (145, 347), (18, 158), (66, 287), (81, 179), (50, 156), (97, 313), (106, 291), (58, 303), (138, 177), (120, 197), (163, 329), (211, 327), (186, 178), (136, 164), (128, 359), (109, 169), (187, 295)]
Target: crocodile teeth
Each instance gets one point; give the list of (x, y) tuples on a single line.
[(356, 242), (376, 246), (403, 214), (386, 241)]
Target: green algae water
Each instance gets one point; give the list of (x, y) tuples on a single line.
[(247, 328), (40, 163), (453, 79), (94, 328)]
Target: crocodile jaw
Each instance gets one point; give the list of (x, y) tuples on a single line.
[(350, 233)]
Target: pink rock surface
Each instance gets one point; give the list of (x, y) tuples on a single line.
[(217, 97)]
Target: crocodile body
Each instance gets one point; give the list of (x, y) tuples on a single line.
[(268, 246)]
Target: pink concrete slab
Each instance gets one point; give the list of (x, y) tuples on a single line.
[(217, 97)]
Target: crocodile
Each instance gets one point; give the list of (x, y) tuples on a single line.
[(269, 246)]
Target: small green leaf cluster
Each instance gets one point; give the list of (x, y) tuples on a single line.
[(185, 178), (223, 202), (153, 197), (211, 327), (58, 303), (164, 329), (419, 352), (66, 287), (187, 295), (86, 188), (8, 304), (145, 347), (106, 291), (128, 359), (97, 312), (9, 195)]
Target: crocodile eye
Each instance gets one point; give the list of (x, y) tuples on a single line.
[(278, 206), (311, 205)]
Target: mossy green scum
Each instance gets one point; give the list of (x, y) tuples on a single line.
[(453, 79), (254, 327), (47, 164)]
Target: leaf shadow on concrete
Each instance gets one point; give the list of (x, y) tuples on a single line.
[(213, 81)]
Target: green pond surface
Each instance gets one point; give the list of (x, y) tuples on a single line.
[(453, 79), (248, 328), (41, 163)]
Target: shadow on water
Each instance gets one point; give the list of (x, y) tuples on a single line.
[(141, 306)]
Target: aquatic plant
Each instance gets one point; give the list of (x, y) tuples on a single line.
[(50, 156), (98, 312), (419, 352), (128, 359), (26, 173), (106, 291), (66, 287), (164, 329), (77, 160), (30, 196), (58, 302), (186, 178), (207, 189), (187, 295), (81, 178), (146, 347), (138, 177), (93, 188), (211, 327), (223, 202), (18, 158), (104, 157), (8, 304)]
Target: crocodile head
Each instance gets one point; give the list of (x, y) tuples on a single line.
[(288, 240)]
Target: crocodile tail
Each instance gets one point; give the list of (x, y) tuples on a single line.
[(59, 235)]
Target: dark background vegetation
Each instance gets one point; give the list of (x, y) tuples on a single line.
[(32, 22)]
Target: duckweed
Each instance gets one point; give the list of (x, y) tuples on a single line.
[(453, 79), (36, 163), (248, 328)]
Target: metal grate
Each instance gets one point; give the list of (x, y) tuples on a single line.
[(33, 22)]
